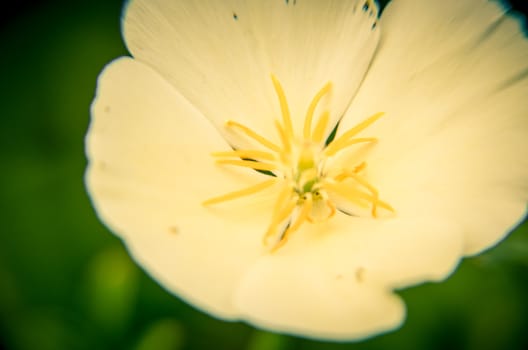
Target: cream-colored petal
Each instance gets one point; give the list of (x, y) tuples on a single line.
[(150, 169), (333, 280), (220, 54), (474, 171), (454, 92), (287, 295)]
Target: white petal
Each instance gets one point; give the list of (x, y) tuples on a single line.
[(150, 169), (285, 295), (474, 171), (222, 64), (454, 92), (333, 280)]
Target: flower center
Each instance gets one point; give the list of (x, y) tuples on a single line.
[(308, 190)]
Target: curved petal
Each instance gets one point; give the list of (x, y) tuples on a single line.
[(344, 270), (475, 169), (285, 295), (150, 169), (220, 54), (454, 93)]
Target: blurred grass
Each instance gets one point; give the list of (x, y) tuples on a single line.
[(67, 283)]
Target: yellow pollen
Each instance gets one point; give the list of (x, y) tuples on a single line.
[(298, 169)]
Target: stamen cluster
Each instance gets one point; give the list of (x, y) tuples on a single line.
[(298, 167)]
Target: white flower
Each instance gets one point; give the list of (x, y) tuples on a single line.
[(436, 169)]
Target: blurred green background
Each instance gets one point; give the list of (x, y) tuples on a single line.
[(67, 283)]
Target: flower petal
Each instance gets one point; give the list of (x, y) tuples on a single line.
[(344, 270), (455, 104), (150, 169), (285, 295), (474, 171), (220, 54)]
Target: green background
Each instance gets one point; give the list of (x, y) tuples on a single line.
[(67, 283)]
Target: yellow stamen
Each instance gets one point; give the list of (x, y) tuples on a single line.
[(284, 196), (286, 119), (301, 218), (332, 208), (254, 154), (337, 144), (299, 165), (240, 193), (260, 139), (320, 127), (311, 109), (360, 167), (279, 217), (357, 196), (284, 139), (364, 183), (248, 164), (349, 143)]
